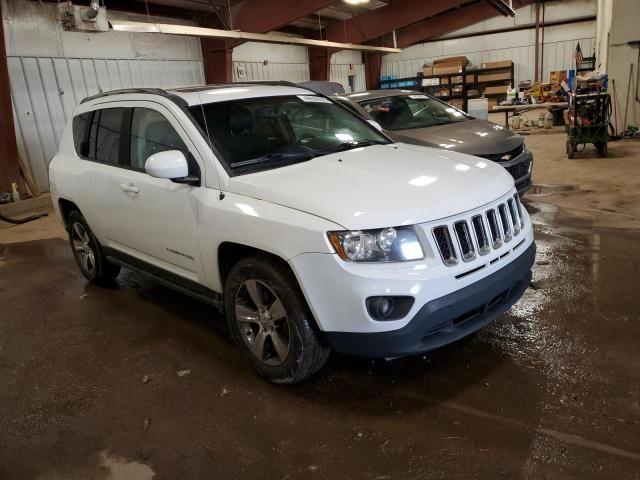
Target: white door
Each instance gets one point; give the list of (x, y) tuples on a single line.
[(155, 219)]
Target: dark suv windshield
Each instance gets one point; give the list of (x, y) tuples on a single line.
[(260, 133), (411, 111)]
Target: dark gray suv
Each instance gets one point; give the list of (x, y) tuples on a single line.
[(419, 119)]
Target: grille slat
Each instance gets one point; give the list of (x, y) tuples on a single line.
[(464, 240), (513, 216), (481, 235), (445, 245), (504, 222), (516, 198), (496, 236)]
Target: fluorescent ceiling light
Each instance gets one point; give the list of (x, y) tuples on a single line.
[(356, 2)]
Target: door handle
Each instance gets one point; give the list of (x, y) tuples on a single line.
[(128, 187)]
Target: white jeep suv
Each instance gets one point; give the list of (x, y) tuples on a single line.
[(304, 223)]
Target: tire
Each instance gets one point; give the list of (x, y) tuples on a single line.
[(88, 253), (283, 350), (571, 149)]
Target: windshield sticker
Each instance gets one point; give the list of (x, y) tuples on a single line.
[(313, 98), (419, 97)]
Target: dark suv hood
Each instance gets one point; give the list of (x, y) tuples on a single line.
[(475, 137)]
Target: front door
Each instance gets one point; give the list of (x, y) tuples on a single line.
[(156, 219)]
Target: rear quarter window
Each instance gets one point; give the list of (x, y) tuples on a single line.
[(80, 125)]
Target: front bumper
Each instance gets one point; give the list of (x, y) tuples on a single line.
[(445, 319), (520, 169)]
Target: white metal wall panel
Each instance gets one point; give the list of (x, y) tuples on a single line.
[(340, 73), (45, 91), (255, 71)]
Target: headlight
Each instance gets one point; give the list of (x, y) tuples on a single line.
[(398, 244)]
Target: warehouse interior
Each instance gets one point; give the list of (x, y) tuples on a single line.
[(138, 380)]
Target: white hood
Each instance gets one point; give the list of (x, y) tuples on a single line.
[(381, 186)]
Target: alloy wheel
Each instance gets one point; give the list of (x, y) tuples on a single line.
[(82, 247), (263, 323)]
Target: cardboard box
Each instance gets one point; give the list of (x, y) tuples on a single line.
[(493, 77), (470, 78), (427, 71), (456, 102), (456, 90), (496, 89), (493, 102), (441, 93), (438, 70), (429, 82), (456, 79), (558, 76), (451, 61), (504, 64)]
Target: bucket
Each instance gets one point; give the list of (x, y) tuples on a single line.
[(548, 120), (515, 121), (478, 108)]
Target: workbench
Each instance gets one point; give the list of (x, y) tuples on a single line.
[(516, 109)]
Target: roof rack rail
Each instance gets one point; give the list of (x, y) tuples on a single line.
[(150, 91)]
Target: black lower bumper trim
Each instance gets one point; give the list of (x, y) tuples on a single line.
[(445, 319)]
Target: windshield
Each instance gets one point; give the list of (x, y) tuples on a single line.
[(262, 133), (411, 111)]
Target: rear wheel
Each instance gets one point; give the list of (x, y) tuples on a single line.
[(87, 252), (269, 320)]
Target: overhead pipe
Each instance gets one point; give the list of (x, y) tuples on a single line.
[(537, 49)]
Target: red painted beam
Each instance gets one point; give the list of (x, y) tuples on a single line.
[(372, 69), (9, 160), (433, 28), (319, 63), (373, 23), (263, 16)]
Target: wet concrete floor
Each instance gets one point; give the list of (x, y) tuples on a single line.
[(139, 380)]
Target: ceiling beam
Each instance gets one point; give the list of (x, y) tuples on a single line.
[(370, 24), (261, 16), (433, 28)]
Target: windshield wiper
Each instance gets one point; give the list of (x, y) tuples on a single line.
[(341, 147), (274, 157)]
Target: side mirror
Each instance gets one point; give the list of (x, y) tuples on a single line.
[(375, 124), (171, 164)]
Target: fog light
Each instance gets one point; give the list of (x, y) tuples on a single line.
[(388, 308)]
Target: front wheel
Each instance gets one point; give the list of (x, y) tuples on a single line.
[(571, 149), (87, 252), (269, 320)]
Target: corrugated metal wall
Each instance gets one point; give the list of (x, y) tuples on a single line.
[(254, 71), (45, 91)]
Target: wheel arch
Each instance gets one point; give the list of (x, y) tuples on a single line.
[(230, 253), (66, 207)]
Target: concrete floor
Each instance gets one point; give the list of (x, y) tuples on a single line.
[(129, 382)]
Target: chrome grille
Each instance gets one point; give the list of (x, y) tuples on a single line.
[(466, 238), (481, 235), (464, 241), (504, 221), (445, 245)]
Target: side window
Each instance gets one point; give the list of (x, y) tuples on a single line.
[(79, 127), (108, 136), (151, 133)]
